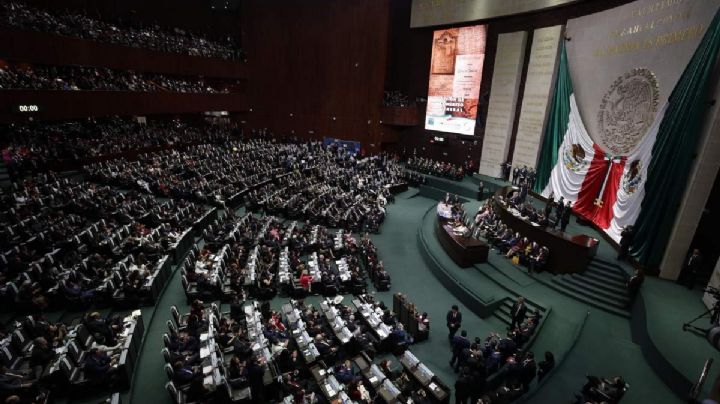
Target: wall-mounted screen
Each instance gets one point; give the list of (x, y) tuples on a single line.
[(455, 74)]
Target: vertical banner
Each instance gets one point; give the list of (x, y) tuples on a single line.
[(538, 84), (503, 98), (456, 69)]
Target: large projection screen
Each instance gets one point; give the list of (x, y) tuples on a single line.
[(455, 73)]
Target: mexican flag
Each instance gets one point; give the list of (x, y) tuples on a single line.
[(644, 185)]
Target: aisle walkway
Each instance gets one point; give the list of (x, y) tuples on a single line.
[(149, 381)]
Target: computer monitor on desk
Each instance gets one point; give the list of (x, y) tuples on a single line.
[(409, 360)]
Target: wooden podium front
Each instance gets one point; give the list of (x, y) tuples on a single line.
[(465, 251)]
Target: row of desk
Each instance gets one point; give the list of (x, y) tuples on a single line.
[(128, 349), (568, 253), (388, 390)]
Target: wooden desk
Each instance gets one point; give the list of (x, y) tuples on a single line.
[(568, 253), (465, 251)]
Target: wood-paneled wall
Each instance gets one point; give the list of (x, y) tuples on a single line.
[(317, 67)]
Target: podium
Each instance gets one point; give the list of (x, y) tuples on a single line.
[(408, 314)]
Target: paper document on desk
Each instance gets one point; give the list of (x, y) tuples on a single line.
[(207, 370), (204, 352)]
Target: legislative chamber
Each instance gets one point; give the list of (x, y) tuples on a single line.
[(404, 201)]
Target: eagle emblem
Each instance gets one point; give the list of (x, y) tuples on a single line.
[(632, 179), (574, 157), (627, 110)]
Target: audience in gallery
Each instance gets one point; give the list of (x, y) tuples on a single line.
[(497, 369), (31, 147), (414, 179), (73, 24), (72, 243), (21, 76), (436, 168), (322, 184)]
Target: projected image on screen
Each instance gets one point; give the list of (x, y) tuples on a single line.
[(455, 74)]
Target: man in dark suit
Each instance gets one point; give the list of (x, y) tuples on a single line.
[(549, 206), (626, 238), (691, 270), (528, 368), (634, 284), (99, 366), (505, 170), (454, 321), (184, 375), (459, 344), (463, 386), (559, 208), (41, 356), (565, 219), (516, 174), (518, 312)]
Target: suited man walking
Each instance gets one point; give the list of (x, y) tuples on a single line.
[(459, 344), (691, 270), (519, 310), (454, 321)]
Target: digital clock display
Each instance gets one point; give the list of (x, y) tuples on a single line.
[(23, 108)]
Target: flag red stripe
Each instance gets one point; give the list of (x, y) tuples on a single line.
[(592, 183), (604, 214)]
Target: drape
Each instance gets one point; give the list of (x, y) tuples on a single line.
[(557, 123), (673, 152)]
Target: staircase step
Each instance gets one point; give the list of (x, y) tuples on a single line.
[(505, 318), (603, 278), (608, 268), (588, 295), (608, 274), (606, 262), (583, 298), (620, 297), (611, 287)]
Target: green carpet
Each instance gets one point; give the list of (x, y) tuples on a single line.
[(603, 346)]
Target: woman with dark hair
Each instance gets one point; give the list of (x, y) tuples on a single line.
[(546, 366)]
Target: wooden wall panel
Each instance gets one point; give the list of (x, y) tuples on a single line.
[(316, 59)]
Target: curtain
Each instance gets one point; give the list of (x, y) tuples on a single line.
[(557, 123), (673, 152)]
